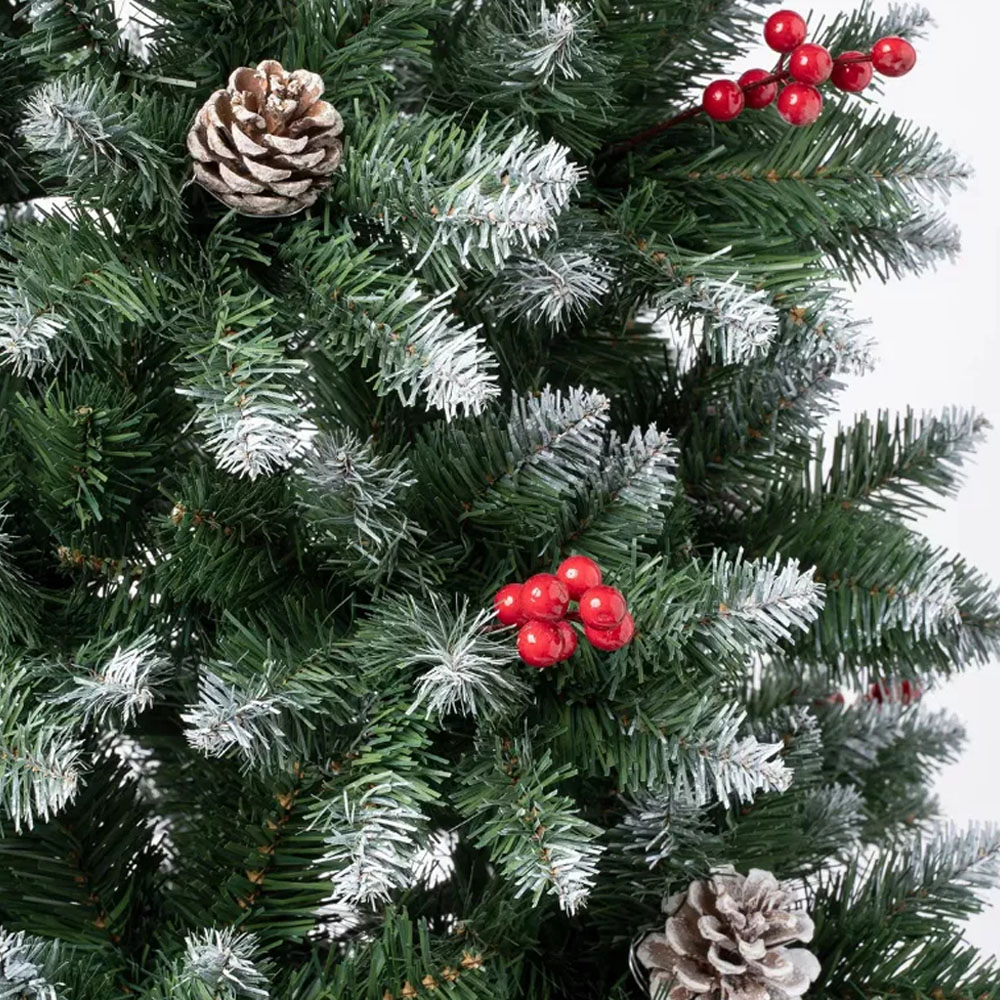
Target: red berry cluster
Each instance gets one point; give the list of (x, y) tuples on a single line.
[(541, 606), (809, 66), (903, 693)]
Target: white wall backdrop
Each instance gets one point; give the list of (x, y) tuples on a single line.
[(939, 346)]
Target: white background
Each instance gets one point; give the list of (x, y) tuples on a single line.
[(939, 346)]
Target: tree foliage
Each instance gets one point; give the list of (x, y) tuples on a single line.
[(261, 735)]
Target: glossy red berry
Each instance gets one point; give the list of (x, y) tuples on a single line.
[(810, 64), (723, 100), (852, 77), (540, 644), (610, 639), (602, 607), (785, 30), (800, 104), (544, 597), (893, 56), (569, 639), (579, 574), (758, 97), (508, 605)]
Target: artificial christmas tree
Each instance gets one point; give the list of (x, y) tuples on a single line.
[(265, 729)]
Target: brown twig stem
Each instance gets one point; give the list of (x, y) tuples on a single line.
[(779, 75)]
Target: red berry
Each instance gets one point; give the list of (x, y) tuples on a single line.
[(544, 598), (508, 604), (785, 30), (569, 639), (893, 56), (852, 76), (810, 64), (610, 639), (758, 97), (723, 100), (799, 104), (602, 607), (540, 644), (909, 691), (579, 573)]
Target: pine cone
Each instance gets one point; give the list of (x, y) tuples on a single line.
[(725, 938), (266, 145)]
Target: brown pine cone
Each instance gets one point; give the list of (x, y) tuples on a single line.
[(266, 145), (726, 939)]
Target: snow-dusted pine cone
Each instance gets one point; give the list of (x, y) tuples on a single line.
[(726, 939), (267, 144)]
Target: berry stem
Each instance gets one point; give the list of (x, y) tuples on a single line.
[(778, 75)]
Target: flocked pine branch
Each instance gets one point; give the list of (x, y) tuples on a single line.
[(731, 322), (551, 290), (857, 28), (657, 823), (18, 610), (894, 463), (460, 665), (463, 199), (557, 432), (639, 483), (39, 768), (31, 338), (871, 728), (226, 719), (898, 583), (83, 127), (353, 497), (520, 192), (123, 686), (955, 857), (223, 962), (716, 762), (465, 672), (902, 908), (248, 407), (376, 832), (556, 46), (940, 875), (911, 20), (360, 306), (26, 967), (423, 350), (554, 445), (925, 604), (536, 835), (58, 28), (837, 342), (838, 810), (642, 471), (920, 241), (758, 604)]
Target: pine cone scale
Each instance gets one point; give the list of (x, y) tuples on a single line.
[(267, 144)]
